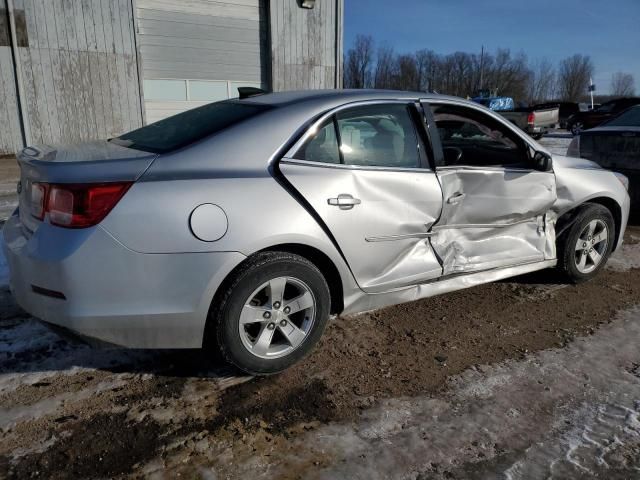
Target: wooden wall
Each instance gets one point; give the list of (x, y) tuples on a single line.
[(77, 69), (306, 44), (10, 131)]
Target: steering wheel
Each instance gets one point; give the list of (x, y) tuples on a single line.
[(452, 155)]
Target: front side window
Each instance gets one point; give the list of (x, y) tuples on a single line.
[(378, 135), (472, 138)]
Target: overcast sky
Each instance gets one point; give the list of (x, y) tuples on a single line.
[(607, 30)]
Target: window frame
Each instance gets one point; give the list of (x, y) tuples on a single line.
[(414, 113), (437, 146)]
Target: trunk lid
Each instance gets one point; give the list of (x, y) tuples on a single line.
[(90, 162)]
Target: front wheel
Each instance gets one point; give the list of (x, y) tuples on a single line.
[(272, 312), (585, 247)]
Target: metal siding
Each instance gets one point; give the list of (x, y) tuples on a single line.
[(305, 44), (76, 64)]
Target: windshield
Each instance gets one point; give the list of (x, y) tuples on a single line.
[(188, 127), (628, 118)]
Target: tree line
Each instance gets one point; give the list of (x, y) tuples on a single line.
[(465, 74)]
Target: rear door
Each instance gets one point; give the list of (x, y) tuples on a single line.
[(364, 171), (495, 204)]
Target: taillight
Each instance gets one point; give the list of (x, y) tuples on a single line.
[(531, 118), (81, 205)]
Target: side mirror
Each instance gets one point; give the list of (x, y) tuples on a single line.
[(542, 161)]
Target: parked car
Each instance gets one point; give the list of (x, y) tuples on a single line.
[(592, 118), (535, 121), (614, 145), (243, 225), (565, 110)]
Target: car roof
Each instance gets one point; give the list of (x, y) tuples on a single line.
[(344, 96)]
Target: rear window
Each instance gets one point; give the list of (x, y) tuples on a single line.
[(188, 127), (629, 118)]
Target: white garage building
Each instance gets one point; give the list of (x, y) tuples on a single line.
[(73, 70)]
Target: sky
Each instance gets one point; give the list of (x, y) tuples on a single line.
[(606, 30)]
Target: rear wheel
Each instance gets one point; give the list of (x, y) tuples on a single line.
[(585, 248), (577, 127), (272, 313)]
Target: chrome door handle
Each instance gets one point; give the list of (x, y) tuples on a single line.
[(344, 201), (457, 198)]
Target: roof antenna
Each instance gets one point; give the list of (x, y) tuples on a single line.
[(246, 92)]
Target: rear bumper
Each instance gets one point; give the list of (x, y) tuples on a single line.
[(113, 294)]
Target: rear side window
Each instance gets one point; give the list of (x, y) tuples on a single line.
[(188, 127), (321, 147), (378, 135)]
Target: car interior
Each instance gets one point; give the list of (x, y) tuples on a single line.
[(470, 139)]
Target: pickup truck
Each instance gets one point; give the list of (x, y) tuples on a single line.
[(536, 122)]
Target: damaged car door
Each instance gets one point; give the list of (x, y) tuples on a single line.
[(496, 198), (363, 170)]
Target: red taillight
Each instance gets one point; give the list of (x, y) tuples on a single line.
[(80, 205), (531, 118)]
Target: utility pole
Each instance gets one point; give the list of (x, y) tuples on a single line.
[(592, 88), (482, 67)]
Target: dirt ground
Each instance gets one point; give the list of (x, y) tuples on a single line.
[(524, 378), (67, 411)]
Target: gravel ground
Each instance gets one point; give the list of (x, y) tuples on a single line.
[(525, 378)]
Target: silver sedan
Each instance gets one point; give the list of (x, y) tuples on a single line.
[(243, 225)]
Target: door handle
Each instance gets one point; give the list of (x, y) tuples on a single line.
[(344, 201), (457, 198)]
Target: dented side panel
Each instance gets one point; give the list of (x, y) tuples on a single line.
[(494, 217), (385, 236)]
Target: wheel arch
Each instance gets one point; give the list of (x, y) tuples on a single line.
[(567, 218), (324, 264)]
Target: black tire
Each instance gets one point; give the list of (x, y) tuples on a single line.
[(224, 317), (567, 256)]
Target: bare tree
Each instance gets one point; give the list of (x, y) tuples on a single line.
[(542, 81), (622, 85), (385, 67), (573, 77), (358, 63), (407, 76)]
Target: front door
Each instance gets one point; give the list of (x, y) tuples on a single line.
[(495, 204), (365, 173)]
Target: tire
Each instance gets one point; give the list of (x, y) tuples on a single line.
[(256, 328), (598, 243)]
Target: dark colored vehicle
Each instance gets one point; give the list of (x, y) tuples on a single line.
[(566, 109), (614, 145), (585, 120)]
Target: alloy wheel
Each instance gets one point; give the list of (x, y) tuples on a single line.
[(591, 246), (277, 317)]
